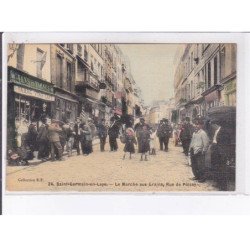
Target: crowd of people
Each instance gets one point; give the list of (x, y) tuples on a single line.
[(197, 145), (54, 137)]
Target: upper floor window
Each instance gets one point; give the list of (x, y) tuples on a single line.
[(20, 56), (192, 60), (234, 56), (69, 47), (79, 49), (209, 75), (69, 76), (215, 71), (59, 71), (223, 62), (85, 53)]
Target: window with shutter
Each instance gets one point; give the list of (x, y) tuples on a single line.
[(20, 56), (69, 76), (39, 57), (59, 71)]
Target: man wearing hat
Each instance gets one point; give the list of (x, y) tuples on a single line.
[(186, 135), (113, 133), (163, 132), (43, 141), (138, 129), (102, 134), (198, 147), (77, 134), (54, 131)]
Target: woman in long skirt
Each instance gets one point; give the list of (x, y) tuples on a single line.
[(144, 142), (129, 143), (86, 140)]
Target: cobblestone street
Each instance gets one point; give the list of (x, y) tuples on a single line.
[(106, 171)]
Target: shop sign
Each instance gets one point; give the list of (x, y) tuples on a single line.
[(29, 81), (33, 93)]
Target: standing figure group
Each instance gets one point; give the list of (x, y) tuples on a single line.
[(145, 137), (195, 143)]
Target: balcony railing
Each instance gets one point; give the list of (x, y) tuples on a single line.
[(87, 84)]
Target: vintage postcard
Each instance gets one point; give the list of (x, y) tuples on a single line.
[(121, 117)]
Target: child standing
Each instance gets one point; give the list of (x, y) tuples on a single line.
[(152, 142), (129, 143), (144, 137)]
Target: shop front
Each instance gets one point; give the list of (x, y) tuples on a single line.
[(198, 108), (212, 97), (29, 99), (65, 107), (91, 108)]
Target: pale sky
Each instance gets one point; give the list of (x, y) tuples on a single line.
[(152, 67)]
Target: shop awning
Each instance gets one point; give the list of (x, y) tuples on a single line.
[(67, 98)]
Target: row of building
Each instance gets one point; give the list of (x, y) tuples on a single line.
[(205, 77), (66, 81)]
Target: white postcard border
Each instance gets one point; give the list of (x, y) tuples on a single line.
[(18, 202)]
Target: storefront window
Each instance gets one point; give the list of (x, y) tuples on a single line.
[(22, 110)]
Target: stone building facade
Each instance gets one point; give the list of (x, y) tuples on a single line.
[(65, 81), (205, 77)]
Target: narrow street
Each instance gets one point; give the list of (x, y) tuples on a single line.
[(106, 171)]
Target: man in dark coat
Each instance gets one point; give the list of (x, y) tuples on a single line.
[(62, 134), (69, 135), (54, 132), (86, 139), (43, 140), (222, 150), (30, 142), (102, 134), (77, 135), (113, 133), (186, 135), (138, 129), (144, 140), (164, 132), (160, 134), (31, 137)]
